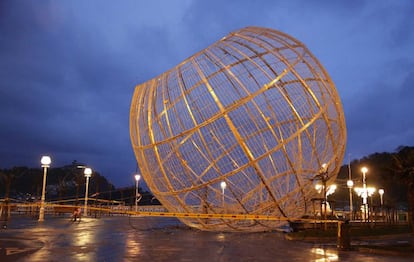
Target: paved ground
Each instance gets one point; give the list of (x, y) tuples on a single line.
[(156, 239)]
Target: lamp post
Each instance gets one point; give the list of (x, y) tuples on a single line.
[(87, 172), (323, 176), (370, 192), (381, 192), (223, 186), (45, 161), (364, 194), (350, 185), (137, 178)]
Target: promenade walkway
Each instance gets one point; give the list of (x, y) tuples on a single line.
[(156, 239)]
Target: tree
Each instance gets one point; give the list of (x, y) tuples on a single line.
[(7, 177), (403, 166)]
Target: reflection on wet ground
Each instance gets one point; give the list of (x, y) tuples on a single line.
[(156, 239)]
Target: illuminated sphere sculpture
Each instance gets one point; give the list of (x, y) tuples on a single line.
[(255, 110)]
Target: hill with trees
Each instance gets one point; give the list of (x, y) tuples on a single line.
[(393, 172)]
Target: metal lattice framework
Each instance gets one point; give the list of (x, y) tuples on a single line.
[(255, 110)]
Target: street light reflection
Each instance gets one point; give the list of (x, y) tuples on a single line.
[(327, 255), (221, 237), (82, 239), (132, 246)]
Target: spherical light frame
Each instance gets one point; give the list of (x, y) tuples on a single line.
[(255, 109)]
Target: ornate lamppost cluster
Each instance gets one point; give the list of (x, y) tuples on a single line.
[(365, 192)]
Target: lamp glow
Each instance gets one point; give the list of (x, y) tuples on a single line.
[(364, 169), (87, 172), (45, 161)]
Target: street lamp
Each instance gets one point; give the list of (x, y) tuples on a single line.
[(350, 185), (371, 191), (223, 186), (323, 176), (87, 172), (364, 172), (45, 161), (381, 192), (365, 194), (137, 178)]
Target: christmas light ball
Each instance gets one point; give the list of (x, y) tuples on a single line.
[(241, 127)]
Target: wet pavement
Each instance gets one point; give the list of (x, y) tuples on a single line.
[(156, 239)]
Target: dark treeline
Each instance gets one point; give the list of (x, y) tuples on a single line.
[(391, 171)]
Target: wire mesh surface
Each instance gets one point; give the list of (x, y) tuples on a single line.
[(255, 110)]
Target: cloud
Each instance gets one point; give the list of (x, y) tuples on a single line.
[(69, 68)]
